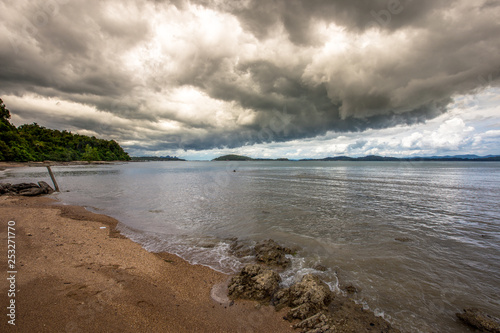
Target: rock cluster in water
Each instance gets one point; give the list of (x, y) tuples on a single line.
[(255, 283), (305, 298), (310, 301), (270, 253), (266, 252), (26, 189), (480, 320)]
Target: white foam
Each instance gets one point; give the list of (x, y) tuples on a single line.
[(204, 251)]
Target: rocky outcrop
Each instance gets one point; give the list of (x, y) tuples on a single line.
[(254, 283), (480, 320), (32, 191), (26, 189), (311, 304), (318, 323), (5, 188), (22, 187), (270, 253), (306, 298), (266, 252)]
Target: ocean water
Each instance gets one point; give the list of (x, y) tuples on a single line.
[(420, 240)]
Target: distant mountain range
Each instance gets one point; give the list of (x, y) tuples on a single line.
[(464, 158)]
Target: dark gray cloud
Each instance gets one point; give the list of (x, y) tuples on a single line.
[(209, 73), (298, 17)]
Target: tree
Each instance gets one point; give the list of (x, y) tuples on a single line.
[(8, 135), (4, 113), (32, 142), (91, 154)]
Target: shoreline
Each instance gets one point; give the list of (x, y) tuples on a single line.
[(76, 273), (10, 165)]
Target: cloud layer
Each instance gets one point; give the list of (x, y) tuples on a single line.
[(164, 75)]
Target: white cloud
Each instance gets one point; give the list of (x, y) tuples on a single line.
[(412, 140), (450, 135), (492, 134)]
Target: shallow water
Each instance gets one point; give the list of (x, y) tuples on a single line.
[(421, 240)]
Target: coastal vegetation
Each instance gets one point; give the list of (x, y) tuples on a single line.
[(233, 157), (32, 142)]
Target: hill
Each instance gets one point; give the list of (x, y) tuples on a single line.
[(36, 143), (233, 157), (155, 158)]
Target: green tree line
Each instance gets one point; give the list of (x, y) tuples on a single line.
[(36, 143)]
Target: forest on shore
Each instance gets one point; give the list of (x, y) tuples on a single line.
[(32, 142)]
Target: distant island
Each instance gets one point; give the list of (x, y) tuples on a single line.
[(155, 158), (233, 157), (35, 143), (372, 158)]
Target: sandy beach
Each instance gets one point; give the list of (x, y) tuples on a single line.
[(75, 273)]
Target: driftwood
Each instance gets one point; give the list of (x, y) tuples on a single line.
[(56, 186)]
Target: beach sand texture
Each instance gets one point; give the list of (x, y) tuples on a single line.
[(74, 275)]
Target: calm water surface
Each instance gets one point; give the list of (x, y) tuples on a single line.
[(421, 240)]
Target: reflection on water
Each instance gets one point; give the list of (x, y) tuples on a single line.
[(421, 240)]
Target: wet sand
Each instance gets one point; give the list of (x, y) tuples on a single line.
[(75, 273)]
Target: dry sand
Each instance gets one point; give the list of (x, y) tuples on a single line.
[(73, 275)]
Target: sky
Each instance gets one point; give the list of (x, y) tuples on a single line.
[(263, 78)]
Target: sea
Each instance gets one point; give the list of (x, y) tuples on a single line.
[(419, 240)]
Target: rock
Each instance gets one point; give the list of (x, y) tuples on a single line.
[(271, 253), (281, 299), (31, 192), (347, 316), (302, 311), (351, 289), (317, 323), (23, 186), (306, 298), (311, 290), (5, 188), (480, 320), (26, 189), (320, 268), (255, 283), (46, 187)]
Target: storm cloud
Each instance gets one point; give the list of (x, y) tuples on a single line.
[(202, 74)]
